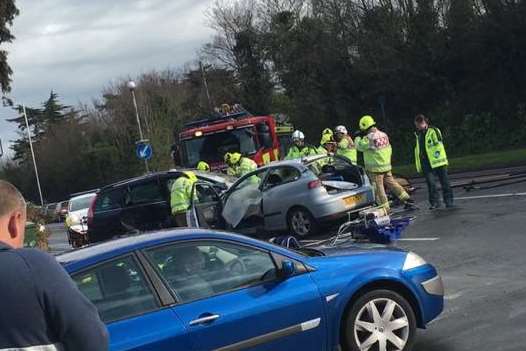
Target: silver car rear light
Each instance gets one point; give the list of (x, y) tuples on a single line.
[(314, 184)]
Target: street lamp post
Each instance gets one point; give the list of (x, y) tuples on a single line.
[(205, 82), (132, 86), (33, 155)]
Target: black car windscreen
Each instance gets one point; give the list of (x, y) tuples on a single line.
[(212, 147)]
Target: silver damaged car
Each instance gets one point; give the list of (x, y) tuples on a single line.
[(296, 196)]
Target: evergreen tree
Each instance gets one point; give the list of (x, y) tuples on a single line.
[(36, 126), (254, 78), (8, 12), (53, 111), (40, 121)]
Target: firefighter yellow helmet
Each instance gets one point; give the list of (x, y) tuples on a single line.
[(327, 131), (235, 158), (191, 175), (232, 158), (366, 122), (203, 166), (326, 136)]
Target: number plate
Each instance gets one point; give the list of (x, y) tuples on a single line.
[(351, 201)]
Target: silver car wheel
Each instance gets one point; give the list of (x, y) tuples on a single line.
[(301, 223), (383, 325)]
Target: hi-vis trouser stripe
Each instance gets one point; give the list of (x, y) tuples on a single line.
[(53, 347)]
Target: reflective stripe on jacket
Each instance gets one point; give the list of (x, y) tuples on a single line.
[(376, 150), (296, 153), (181, 194), (347, 149), (435, 150)]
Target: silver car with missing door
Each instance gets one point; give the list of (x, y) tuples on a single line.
[(297, 196)]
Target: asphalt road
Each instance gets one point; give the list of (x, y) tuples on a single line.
[(58, 241), (479, 251), (479, 248)]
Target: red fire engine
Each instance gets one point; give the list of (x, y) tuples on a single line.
[(231, 129)]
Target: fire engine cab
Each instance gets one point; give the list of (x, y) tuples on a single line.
[(231, 129)]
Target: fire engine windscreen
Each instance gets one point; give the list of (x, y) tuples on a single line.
[(212, 147)]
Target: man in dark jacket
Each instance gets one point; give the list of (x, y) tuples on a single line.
[(40, 306)]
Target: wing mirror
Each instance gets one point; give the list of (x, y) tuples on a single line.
[(287, 269)]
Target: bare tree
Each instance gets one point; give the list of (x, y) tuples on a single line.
[(229, 18)]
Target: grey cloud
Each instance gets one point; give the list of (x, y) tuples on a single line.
[(76, 47)]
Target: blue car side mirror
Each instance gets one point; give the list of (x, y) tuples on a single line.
[(287, 269)]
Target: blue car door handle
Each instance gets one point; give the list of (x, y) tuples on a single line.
[(204, 319)]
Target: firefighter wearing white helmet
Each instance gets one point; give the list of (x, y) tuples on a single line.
[(298, 135), (299, 149), (345, 145)]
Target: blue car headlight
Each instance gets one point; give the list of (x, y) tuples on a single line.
[(412, 260)]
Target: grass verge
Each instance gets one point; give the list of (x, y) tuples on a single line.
[(500, 159)]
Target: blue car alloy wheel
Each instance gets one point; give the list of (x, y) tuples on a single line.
[(380, 320)]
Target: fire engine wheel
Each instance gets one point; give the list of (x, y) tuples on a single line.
[(301, 222)]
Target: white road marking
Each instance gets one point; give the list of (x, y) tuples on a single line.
[(418, 239), (453, 296), (445, 314), (489, 196)]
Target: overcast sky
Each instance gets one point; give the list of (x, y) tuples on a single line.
[(76, 47)]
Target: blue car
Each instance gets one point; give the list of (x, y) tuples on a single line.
[(206, 290)]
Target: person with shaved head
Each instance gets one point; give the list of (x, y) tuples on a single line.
[(12, 215), (40, 306)]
